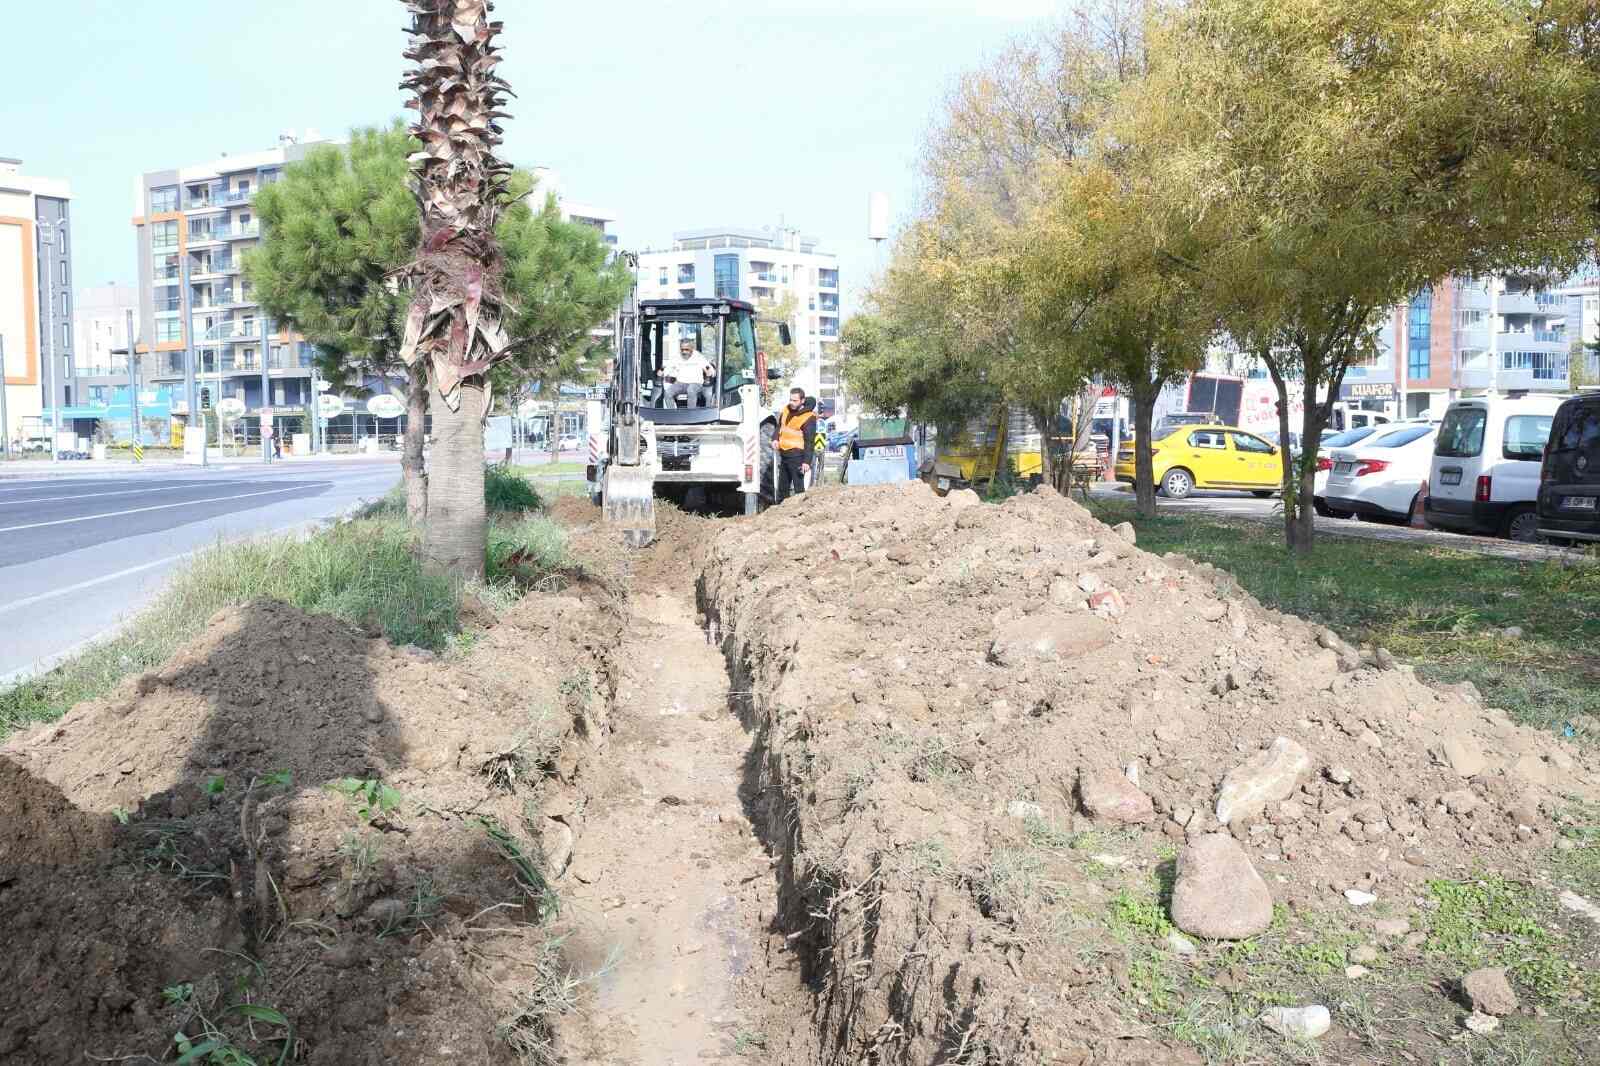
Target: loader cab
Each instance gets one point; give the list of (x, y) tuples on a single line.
[(694, 356)]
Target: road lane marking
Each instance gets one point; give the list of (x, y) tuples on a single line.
[(195, 486), (163, 507), (91, 583)]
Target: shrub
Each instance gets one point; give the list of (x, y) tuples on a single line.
[(507, 492)]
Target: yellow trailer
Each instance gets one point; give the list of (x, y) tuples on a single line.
[(970, 456)]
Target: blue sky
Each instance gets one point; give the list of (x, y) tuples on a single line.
[(673, 115)]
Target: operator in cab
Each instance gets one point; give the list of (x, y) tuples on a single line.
[(688, 375), (797, 425)]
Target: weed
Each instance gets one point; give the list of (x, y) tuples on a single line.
[(372, 798), (529, 1030), (360, 852), (422, 906), (531, 552), (1578, 857), (1132, 914), (1045, 834), (577, 688), (1009, 880), (926, 857), (216, 785), (936, 760), (276, 779), (747, 1042), (507, 492), (217, 1048), (526, 755), (167, 850), (545, 902), (121, 814)]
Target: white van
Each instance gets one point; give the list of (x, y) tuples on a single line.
[(1486, 462)]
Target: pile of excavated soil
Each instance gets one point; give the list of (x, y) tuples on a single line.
[(989, 730), (212, 836)]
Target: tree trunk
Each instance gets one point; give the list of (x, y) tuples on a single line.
[(1047, 463), (411, 464), (455, 533), (1303, 530), (1144, 467)]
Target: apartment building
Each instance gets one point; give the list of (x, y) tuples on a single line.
[(761, 266), (199, 322), (35, 296)]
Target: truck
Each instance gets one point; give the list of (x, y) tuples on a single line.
[(708, 442)]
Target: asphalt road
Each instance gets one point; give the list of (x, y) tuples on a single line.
[(80, 554)]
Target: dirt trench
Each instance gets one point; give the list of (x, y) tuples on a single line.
[(670, 898)]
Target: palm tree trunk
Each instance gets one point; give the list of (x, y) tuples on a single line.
[(411, 462), (454, 535)]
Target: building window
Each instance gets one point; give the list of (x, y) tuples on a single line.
[(1419, 336), (685, 273), (727, 277), (199, 229), (828, 279), (661, 276), (164, 236), (164, 200), (168, 330)]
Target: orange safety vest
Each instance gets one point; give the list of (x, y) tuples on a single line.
[(791, 430)]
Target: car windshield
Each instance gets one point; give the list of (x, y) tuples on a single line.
[(682, 358), (1461, 434), (1348, 437), (1401, 437)]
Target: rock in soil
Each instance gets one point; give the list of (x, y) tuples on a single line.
[(1299, 1023), (1109, 796), (1268, 777), (1218, 894), (1489, 992)]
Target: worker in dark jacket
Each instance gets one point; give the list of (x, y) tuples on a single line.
[(797, 423)]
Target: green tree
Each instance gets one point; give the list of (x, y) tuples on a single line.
[(341, 222), (1340, 155), (335, 228)]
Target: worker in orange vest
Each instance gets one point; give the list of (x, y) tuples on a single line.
[(796, 424)]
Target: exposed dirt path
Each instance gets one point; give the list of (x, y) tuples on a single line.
[(669, 886)]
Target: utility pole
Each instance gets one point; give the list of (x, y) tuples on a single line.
[(133, 392), (5, 427)]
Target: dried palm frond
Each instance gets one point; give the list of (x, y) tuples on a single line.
[(457, 315)]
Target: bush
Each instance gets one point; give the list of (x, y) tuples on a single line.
[(366, 572), (526, 552), (506, 492)]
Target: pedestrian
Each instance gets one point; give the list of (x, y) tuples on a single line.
[(795, 425), (277, 446)]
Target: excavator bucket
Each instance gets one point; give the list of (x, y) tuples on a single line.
[(630, 503)]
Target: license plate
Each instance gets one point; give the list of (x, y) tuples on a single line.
[(1578, 503), (1343, 468), (944, 483), (1449, 477)]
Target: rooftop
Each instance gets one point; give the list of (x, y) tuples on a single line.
[(782, 237)]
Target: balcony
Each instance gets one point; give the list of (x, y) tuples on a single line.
[(237, 233), (235, 196), (827, 279), (211, 236), (1516, 303), (289, 361), (1515, 338), (1539, 371)]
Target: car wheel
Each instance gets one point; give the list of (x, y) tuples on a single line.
[(1262, 494), (1320, 506), (1177, 485), (1522, 524)]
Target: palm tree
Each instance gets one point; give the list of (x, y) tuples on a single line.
[(456, 319)]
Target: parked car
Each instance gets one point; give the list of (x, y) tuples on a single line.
[(1486, 460), (1271, 437), (1569, 483), (1208, 457), (1381, 476), (569, 443), (1325, 449)]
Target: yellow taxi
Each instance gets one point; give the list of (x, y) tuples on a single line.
[(1208, 457)]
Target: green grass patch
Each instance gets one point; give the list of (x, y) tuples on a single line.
[(527, 552), (1435, 607), (1490, 921), (366, 572), (538, 470)]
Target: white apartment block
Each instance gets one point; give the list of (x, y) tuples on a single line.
[(100, 330), (761, 266), (35, 293)]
